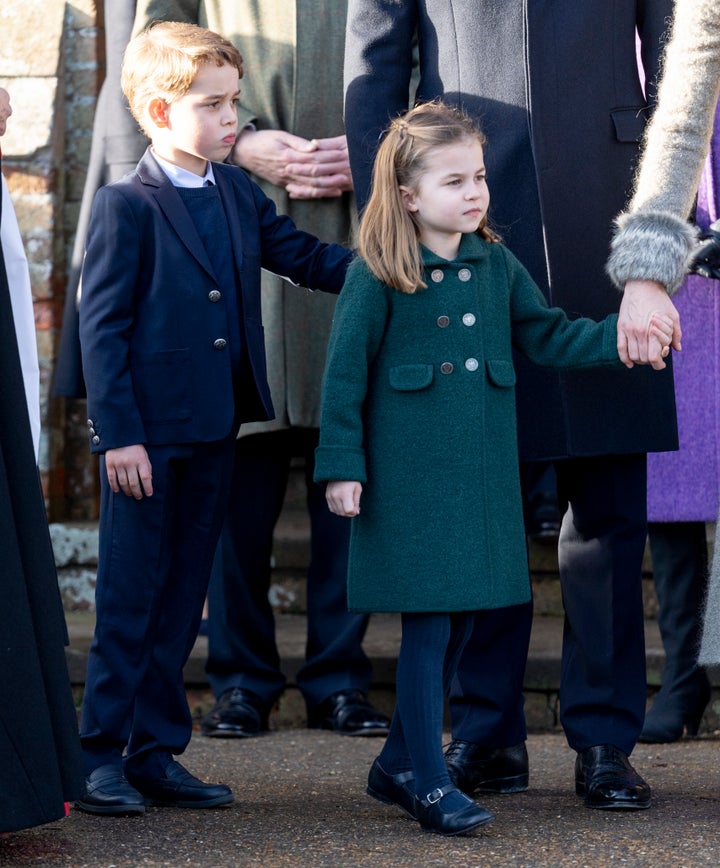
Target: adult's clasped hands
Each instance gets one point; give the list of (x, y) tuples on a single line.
[(648, 325), (304, 168)]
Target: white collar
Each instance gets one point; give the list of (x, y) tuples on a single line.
[(180, 177)]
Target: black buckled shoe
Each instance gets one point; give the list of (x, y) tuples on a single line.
[(433, 818), (108, 792), (179, 789), (475, 768), (349, 712), (392, 789), (238, 713), (605, 778)]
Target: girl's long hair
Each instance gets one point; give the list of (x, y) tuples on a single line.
[(389, 238)]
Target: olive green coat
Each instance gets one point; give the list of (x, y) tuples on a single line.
[(293, 58), (419, 406)]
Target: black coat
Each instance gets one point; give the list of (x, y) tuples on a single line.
[(40, 765), (555, 87)]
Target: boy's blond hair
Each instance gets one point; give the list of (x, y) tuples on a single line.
[(164, 59), (388, 236)]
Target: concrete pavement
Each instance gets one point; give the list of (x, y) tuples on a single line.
[(300, 801)]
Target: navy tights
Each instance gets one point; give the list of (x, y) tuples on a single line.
[(429, 653)]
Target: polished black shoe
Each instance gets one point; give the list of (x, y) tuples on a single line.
[(179, 789), (605, 778), (238, 713), (475, 768), (392, 789), (349, 712), (464, 819), (107, 791)]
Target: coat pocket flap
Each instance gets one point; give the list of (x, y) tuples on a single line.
[(410, 378), (500, 372), (629, 123)]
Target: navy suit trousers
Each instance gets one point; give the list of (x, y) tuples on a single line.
[(241, 631)]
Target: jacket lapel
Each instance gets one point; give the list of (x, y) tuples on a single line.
[(172, 206)]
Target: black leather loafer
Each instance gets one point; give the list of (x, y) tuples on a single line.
[(475, 768), (179, 789), (392, 789), (349, 712), (238, 713), (605, 778), (433, 819), (108, 792)]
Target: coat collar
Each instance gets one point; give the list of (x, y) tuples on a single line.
[(472, 247)]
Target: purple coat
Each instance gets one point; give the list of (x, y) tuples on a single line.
[(685, 485)]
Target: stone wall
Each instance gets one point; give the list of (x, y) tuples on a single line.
[(51, 63)]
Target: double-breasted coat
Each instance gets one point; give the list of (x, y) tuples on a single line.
[(419, 406), (554, 84)]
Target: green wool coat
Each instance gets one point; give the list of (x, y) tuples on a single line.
[(419, 406)]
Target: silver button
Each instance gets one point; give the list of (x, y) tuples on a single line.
[(436, 275), (220, 344), (446, 368), (464, 274), (469, 319), (96, 440), (90, 423), (214, 295), (471, 364), (443, 321), (92, 432)]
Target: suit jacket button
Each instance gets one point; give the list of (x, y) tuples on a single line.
[(220, 344), (446, 368), (92, 432), (469, 319), (96, 440), (436, 275), (214, 295), (90, 423), (443, 321), (471, 364), (464, 274)]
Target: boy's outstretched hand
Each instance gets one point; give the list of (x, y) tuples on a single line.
[(129, 470), (343, 498)]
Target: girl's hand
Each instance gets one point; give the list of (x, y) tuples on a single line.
[(343, 497)]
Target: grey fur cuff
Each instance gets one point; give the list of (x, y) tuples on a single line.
[(651, 245)]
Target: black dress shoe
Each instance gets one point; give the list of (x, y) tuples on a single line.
[(392, 789), (108, 792), (238, 713), (475, 768), (179, 789), (605, 778), (348, 712), (433, 819)]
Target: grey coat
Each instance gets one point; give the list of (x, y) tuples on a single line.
[(419, 405)]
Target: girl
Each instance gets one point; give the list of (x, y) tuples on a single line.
[(418, 416)]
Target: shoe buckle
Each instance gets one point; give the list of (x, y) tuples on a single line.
[(434, 796)]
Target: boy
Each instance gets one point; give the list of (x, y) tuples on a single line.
[(174, 360)]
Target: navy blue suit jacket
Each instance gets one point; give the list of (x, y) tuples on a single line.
[(150, 317)]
